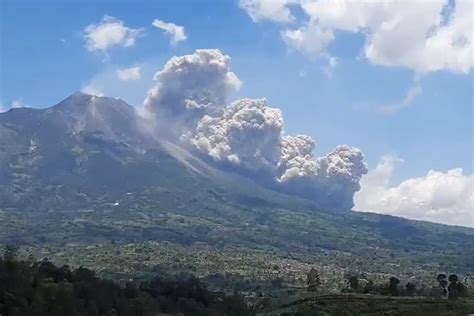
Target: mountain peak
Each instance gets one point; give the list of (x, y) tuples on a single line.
[(81, 100), (81, 93), (78, 98)]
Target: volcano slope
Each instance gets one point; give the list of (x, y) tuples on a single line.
[(84, 173)]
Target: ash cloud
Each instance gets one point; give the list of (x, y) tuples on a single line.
[(246, 133), (190, 97), (296, 159), (191, 86), (338, 176), (330, 180)]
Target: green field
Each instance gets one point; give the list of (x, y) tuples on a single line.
[(363, 305)]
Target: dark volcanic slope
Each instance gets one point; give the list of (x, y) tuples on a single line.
[(80, 149)]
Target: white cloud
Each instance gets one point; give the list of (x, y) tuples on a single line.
[(412, 93), (107, 82), (332, 61), (310, 39), (93, 88), (271, 10), (18, 103), (128, 74), (108, 33), (176, 32), (425, 36), (443, 197), (331, 65)]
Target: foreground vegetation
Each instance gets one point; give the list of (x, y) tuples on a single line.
[(30, 287), (41, 288), (357, 305)]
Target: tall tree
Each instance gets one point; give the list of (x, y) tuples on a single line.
[(441, 278), (313, 280), (393, 286), (453, 287)]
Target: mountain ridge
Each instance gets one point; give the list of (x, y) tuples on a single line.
[(80, 127), (101, 121), (69, 177)]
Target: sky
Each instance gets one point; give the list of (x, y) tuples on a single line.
[(392, 78)]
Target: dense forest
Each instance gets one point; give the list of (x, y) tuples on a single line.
[(28, 287)]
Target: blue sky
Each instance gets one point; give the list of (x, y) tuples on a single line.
[(44, 59)]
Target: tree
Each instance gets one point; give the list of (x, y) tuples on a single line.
[(410, 288), (393, 286), (313, 279), (453, 278), (453, 287), (354, 282), (10, 253), (441, 278), (462, 290), (42, 288), (12, 267), (369, 287)]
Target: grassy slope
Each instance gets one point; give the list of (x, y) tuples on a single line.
[(243, 234), (371, 305)]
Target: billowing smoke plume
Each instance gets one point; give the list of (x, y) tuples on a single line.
[(331, 180), (247, 133), (338, 176), (296, 157), (191, 93), (191, 86)]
